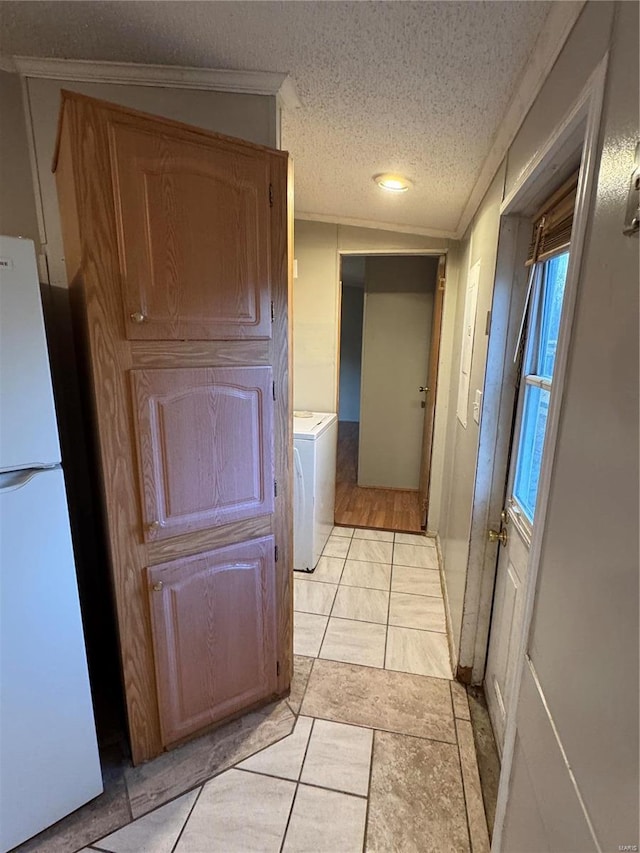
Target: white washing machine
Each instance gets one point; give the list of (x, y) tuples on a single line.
[(315, 440)]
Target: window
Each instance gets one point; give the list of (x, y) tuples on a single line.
[(538, 377), (549, 262)]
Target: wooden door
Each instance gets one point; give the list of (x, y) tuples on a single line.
[(177, 252), (205, 447), (430, 394), (183, 210), (214, 634)]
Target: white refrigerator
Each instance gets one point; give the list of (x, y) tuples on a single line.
[(49, 762)]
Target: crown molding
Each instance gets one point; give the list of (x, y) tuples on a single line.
[(379, 226), (270, 83), (551, 39)]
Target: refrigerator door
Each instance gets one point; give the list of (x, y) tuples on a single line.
[(28, 429), (49, 762)]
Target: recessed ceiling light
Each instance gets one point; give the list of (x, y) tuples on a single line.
[(392, 183)]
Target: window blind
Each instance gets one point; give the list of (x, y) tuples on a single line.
[(553, 222), (551, 232)]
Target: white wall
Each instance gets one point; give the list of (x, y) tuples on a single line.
[(399, 295), (585, 46), (350, 352), (316, 329), (17, 204), (251, 117), (576, 760), (480, 243), (316, 299)]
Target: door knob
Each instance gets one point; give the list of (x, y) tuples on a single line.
[(423, 389), (158, 586), (498, 536), (154, 525), (138, 317)]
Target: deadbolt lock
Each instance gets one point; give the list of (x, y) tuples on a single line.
[(498, 536)]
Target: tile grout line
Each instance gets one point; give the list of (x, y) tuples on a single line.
[(390, 731), (464, 793), (295, 793), (286, 827), (316, 785), (306, 686), (446, 678), (324, 634), (386, 633), (416, 594), (188, 818), (366, 817)]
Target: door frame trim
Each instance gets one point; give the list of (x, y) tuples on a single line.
[(434, 253), (583, 119)]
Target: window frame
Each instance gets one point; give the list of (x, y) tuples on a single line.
[(527, 378)]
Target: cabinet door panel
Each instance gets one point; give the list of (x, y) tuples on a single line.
[(205, 445), (183, 211), (213, 618)]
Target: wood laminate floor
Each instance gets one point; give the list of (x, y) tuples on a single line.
[(382, 509)]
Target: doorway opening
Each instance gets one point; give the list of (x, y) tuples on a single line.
[(390, 319)]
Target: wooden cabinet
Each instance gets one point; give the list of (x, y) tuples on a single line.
[(176, 244), (183, 210), (214, 631), (205, 442)]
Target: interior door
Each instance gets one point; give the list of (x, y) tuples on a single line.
[(526, 457), (430, 390), (398, 308), (184, 280)]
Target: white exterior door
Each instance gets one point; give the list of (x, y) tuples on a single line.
[(527, 449)]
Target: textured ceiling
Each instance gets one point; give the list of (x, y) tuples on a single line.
[(413, 87)]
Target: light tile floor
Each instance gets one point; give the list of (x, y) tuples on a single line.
[(377, 761), (375, 600), (380, 754)]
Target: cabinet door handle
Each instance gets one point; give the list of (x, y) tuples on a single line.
[(138, 317)]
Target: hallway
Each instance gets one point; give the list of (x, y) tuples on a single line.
[(376, 761), (387, 509), (373, 749)]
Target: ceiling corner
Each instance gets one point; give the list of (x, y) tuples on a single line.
[(551, 39), (7, 64), (270, 83), (288, 95)]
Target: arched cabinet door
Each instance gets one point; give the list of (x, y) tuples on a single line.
[(183, 209), (213, 620), (205, 447)]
